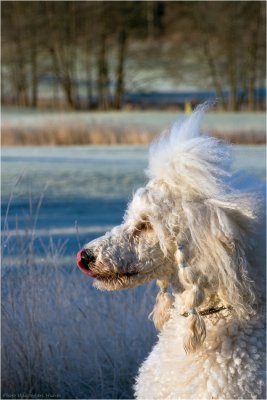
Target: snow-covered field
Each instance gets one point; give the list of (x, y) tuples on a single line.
[(60, 337), (158, 120), (23, 126)]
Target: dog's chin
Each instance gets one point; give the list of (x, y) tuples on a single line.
[(120, 282)]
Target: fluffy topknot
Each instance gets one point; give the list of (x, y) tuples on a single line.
[(183, 155)]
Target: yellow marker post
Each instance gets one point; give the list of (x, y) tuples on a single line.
[(188, 107)]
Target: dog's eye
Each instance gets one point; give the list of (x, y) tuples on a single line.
[(143, 226)]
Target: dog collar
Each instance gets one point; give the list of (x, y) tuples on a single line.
[(208, 311)]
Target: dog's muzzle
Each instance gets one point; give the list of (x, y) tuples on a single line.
[(85, 260)]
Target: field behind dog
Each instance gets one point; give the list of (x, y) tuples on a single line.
[(61, 338)]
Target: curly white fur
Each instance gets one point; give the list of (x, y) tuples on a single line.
[(189, 228)]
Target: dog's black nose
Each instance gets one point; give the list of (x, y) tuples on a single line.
[(85, 257), (88, 256)]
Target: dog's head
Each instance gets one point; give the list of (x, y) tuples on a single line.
[(138, 250), (187, 226)]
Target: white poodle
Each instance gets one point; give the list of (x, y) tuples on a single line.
[(190, 229)]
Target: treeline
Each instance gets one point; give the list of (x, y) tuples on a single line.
[(83, 47)]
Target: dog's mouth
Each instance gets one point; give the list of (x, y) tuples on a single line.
[(116, 281)]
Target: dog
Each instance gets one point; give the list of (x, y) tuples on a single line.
[(191, 229)]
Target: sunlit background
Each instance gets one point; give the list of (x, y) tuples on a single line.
[(85, 88)]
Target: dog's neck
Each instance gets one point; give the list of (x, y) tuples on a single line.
[(213, 309)]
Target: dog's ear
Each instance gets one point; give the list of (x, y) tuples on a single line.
[(214, 260), (231, 224)]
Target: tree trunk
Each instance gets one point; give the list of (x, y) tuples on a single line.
[(150, 19), (232, 102), (34, 78), (213, 72), (122, 39), (67, 86), (251, 92), (2, 87), (103, 91), (201, 21), (253, 64), (89, 79), (232, 79), (61, 50), (63, 77)]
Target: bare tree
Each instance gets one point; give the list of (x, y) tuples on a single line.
[(87, 43), (61, 44), (15, 52), (229, 38)]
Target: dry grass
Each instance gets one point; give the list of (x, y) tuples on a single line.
[(74, 135), (101, 135), (240, 137)]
